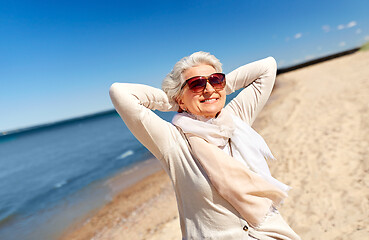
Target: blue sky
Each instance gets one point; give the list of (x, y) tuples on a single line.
[(58, 58)]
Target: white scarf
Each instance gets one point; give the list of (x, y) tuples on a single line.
[(247, 146)]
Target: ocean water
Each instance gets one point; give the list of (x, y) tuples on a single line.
[(58, 169)]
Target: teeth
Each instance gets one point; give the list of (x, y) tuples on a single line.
[(208, 100)]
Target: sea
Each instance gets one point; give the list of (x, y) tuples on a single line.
[(54, 175)]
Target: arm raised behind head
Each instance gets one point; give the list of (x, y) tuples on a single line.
[(134, 103), (258, 80)]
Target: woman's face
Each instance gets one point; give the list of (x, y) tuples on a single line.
[(206, 103)]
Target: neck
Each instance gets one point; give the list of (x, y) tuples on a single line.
[(203, 118)]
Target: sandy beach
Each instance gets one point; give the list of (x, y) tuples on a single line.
[(317, 125)]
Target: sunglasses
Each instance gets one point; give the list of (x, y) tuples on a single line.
[(198, 84)]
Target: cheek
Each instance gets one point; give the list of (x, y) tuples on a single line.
[(223, 96), (190, 101), (187, 99)]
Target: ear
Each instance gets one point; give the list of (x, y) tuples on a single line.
[(181, 104)]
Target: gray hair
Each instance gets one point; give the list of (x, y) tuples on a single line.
[(172, 83)]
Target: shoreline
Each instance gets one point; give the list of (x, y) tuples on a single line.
[(127, 181), (316, 124), (74, 210), (142, 198)]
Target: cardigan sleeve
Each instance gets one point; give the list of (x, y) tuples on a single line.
[(258, 80), (134, 103)]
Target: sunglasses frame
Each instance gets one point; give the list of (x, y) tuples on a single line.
[(207, 81)]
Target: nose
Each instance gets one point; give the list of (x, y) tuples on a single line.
[(208, 87)]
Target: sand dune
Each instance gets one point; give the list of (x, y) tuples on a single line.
[(317, 125)]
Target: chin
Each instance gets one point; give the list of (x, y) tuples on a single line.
[(210, 114)]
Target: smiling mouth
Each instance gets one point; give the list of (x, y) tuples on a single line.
[(209, 100)]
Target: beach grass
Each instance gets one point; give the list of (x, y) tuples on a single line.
[(365, 47)]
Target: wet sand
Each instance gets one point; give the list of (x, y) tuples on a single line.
[(317, 125)]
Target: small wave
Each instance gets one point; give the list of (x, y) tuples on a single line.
[(125, 154), (51, 195), (60, 184)]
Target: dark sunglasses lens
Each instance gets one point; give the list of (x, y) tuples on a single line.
[(197, 84), (217, 80)]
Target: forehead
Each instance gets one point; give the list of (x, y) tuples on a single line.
[(200, 70)]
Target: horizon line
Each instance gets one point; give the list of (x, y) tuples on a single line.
[(100, 113)]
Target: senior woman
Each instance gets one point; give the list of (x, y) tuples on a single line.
[(215, 160)]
